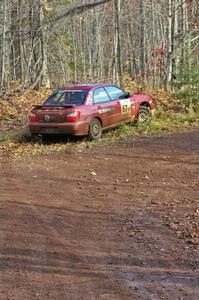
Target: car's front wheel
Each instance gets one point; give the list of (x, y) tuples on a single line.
[(144, 115), (95, 130)]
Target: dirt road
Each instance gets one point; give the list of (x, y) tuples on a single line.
[(111, 222)]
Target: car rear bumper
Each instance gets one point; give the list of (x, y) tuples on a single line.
[(72, 128)]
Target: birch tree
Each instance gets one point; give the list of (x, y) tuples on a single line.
[(3, 45)]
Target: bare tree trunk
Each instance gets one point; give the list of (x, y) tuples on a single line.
[(3, 46), (142, 40), (16, 41), (45, 82), (118, 64)]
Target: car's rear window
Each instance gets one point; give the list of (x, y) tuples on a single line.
[(66, 97)]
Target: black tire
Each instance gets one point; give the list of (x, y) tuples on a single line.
[(35, 138), (95, 130), (45, 138), (144, 116)]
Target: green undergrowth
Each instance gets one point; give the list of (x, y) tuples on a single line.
[(161, 122), (13, 136)]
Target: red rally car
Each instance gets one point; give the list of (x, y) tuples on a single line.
[(88, 109)]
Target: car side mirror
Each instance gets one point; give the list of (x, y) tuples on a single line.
[(127, 95)]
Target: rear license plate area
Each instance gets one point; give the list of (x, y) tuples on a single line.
[(50, 130)]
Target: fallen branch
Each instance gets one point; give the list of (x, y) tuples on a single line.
[(76, 9)]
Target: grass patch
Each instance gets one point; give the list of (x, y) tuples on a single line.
[(161, 122), (171, 121), (17, 136), (119, 133), (191, 116)]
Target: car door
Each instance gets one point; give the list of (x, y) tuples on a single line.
[(104, 107), (121, 101)]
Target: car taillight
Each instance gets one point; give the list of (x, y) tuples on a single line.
[(73, 116), (32, 117)]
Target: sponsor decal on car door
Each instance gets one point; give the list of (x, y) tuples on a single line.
[(105, 110), (126, 107)]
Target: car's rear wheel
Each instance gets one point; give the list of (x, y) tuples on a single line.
[(144, 115), (95, 130)]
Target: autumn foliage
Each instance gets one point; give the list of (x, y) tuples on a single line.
[(14, 109)]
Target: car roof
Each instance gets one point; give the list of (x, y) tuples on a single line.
[(85, 86)]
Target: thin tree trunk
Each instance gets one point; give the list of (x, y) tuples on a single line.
[(45, 82), (118, 64), (3, 43), (142, 39)]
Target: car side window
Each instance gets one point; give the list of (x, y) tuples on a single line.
[(100, 96), (115, 93)]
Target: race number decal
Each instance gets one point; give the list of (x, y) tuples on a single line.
[(126, 107)]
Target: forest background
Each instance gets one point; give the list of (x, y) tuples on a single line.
[(142, 45)]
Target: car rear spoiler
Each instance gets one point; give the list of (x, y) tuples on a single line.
[(52, 106)]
